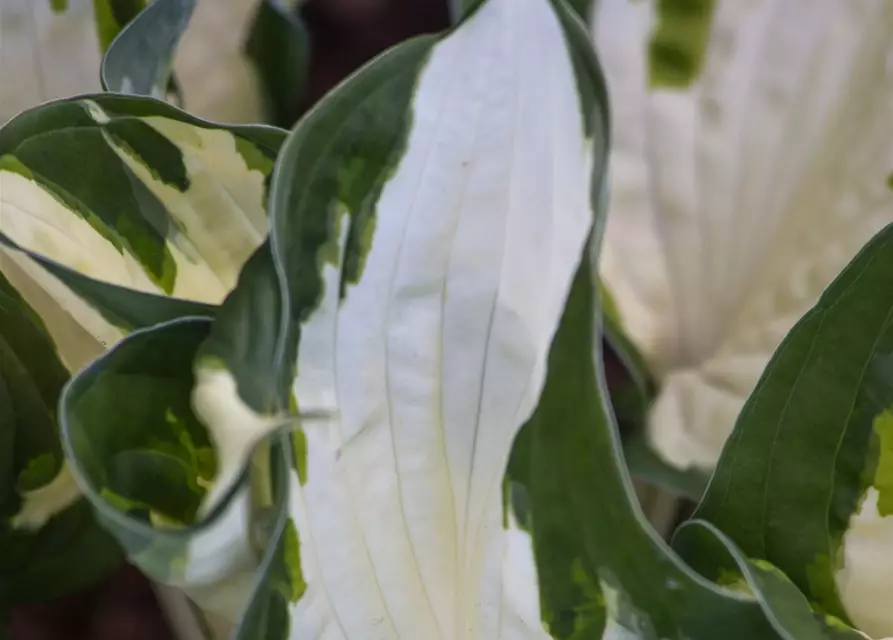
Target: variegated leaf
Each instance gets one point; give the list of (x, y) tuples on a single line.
[(804, 481), (115, 213), (144, 461), (751, 162), (426, 291), (165, 204)]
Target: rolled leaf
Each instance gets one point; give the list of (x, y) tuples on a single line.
[(145, 463)]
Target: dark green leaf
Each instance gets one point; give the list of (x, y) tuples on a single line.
[(807, 445), (70, 551), (142, 456), (589, 534), (279, 46), (130, 428)]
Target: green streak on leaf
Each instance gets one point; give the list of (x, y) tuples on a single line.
[(360, 241), (106, 25), (9, 162), (59, 6), (299, 448), (609, 305), (38, 472), (292, 556), (836, 623), (103, 191), (330, 252), (734, 580), (113, 15), (161, 157), (679, 43), (883, 479), (890, 181), (156, 258), (255, 159), (590, 611)]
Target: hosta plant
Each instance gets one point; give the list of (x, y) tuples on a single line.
[(346, 382)]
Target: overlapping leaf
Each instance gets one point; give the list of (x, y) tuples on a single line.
[(401, 319), (597, 565), (115, 213), (803, 482)]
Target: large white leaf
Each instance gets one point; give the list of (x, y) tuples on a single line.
[(426, 341), (736, 200)]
